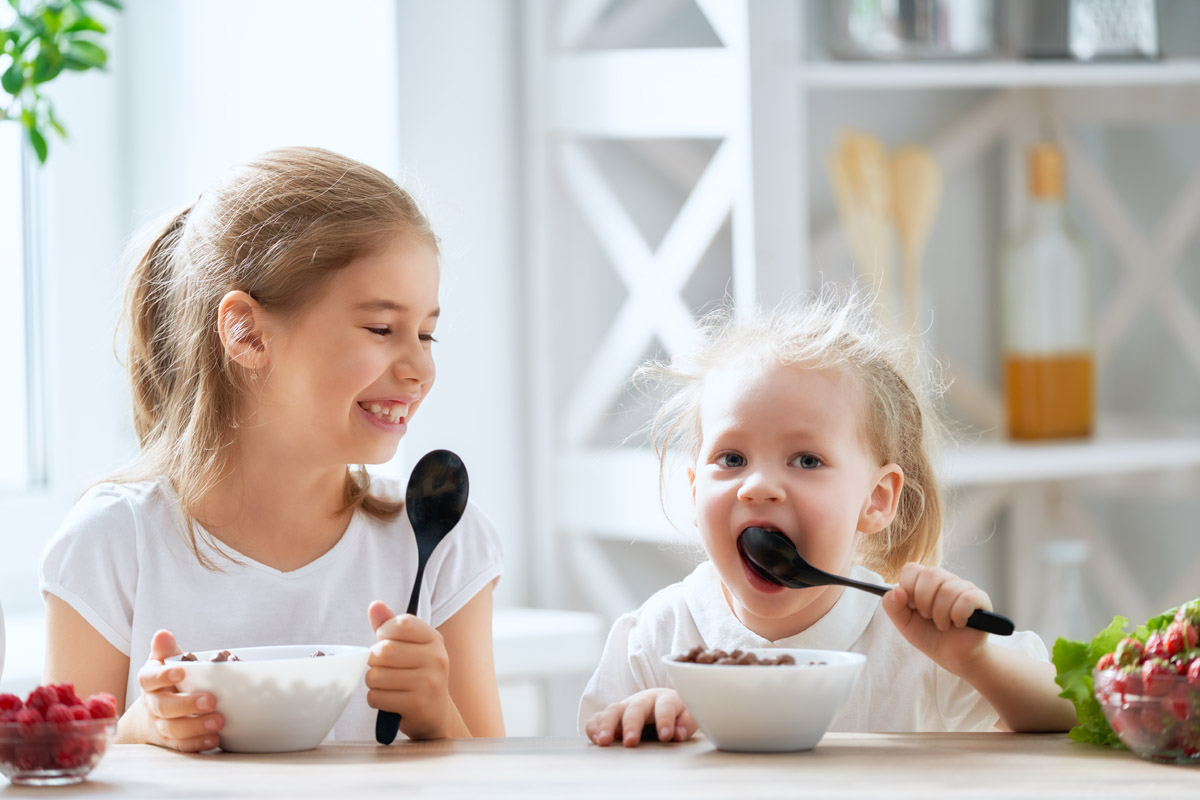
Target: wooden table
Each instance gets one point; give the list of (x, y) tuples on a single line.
[(889, 766)]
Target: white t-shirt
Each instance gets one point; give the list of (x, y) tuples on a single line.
[(899, 689), (120, 560)]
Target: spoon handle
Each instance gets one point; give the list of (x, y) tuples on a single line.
[(387, 723), (980, 620)]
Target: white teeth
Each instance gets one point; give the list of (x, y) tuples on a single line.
[(393, 415)]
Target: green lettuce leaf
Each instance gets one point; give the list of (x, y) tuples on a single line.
[(1074, 663)]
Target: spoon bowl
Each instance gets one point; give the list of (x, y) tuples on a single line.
[(776, 559), (435, 500)]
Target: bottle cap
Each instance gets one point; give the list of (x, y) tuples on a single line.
[(1047, 169)]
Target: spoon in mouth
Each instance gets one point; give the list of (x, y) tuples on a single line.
[(775, 558)]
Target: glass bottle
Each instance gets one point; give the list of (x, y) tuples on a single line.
[(1047, 313)]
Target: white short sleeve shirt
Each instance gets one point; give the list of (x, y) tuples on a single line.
[(120, 560), (899, 689)]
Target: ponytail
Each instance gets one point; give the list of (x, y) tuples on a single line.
[(147, 304)]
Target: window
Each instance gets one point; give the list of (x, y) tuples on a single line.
[(19, 432)]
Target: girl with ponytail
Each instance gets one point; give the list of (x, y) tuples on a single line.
[(280, 336)]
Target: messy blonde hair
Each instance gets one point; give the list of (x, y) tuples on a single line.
[(829, 329), (278, 228)]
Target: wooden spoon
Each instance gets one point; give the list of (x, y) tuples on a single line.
[(916, 184), (861, 176)]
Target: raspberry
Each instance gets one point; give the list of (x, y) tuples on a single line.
[(41, 698), (8, 716), (79, 713), (1107, 661), (1129, 652), (10, 702), (60, 715), (101, 706), (29, 718), (66, 694)]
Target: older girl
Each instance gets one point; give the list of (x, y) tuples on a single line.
[(280, 329)]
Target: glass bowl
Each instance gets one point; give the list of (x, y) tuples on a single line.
[(53, 753), (1159, 722)]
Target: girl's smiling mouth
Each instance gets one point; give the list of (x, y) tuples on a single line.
[(389, 411)]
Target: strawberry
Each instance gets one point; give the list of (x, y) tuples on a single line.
[(1129, 652), (1107, 661), (1178, 702), (1128, 682), (1193, 673), (1156, 646), (1157, 677), (1189, 612)]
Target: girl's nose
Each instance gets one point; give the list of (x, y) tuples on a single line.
[(415, 364), (761, 486)]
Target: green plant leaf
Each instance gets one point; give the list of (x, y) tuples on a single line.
[(85, 24), (13, 78), (39, 144), (48, 63), (82, 54)]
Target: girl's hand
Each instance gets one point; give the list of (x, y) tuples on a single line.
[(930, 607), (165, 716), (408, 672), (625, 720)]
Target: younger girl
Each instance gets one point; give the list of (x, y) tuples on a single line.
[(280, 329), (809, 421)]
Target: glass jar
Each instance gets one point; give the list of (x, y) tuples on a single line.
[(1049, 382)]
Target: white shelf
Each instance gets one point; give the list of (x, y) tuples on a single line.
[(1108, 454), (840, 75)]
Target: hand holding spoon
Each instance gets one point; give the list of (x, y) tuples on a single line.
[(776, 559), (435, 501)]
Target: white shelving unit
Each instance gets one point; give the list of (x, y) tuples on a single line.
[(737, 115)]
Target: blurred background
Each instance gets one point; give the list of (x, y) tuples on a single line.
[(601, 172)]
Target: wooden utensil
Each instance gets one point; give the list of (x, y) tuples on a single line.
[(861, 176), (916, 183)]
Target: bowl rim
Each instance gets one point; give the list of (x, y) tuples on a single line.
[(344, 650), (854, 658)]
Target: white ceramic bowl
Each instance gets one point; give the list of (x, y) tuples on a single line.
[(280, 698), (766, 709)]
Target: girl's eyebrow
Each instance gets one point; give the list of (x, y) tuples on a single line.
[(389, 305)]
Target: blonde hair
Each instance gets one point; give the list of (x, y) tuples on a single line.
[(278, 227), (828, 329)]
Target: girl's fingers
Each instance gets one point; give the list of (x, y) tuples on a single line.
[(668, 709), (154, 677), (637, 713), (196, 744), (967, 603), (405, 655), (604, 726), (172, 705), (189, 729)]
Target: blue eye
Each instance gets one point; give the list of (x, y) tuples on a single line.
[(806, 461), (731, 460)]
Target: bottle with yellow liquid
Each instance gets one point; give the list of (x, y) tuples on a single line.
[(1049, 381)]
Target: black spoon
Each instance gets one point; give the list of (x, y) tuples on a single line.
[(775, 558), (435, 500)]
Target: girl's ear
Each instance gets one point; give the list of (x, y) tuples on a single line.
[(240, 325), (880, 508), (691, 473)]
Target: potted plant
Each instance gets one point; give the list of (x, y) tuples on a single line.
[(44, 38)]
